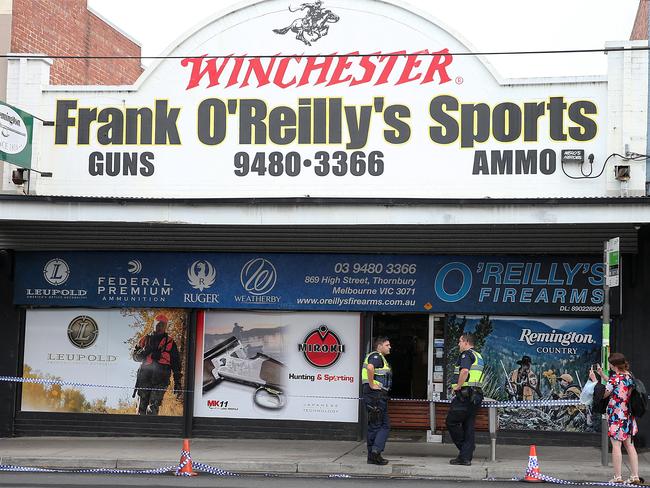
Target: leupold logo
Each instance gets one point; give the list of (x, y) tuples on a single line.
[(83, 331), (56, 271), (258, 276), (321, 347), (201, 275)]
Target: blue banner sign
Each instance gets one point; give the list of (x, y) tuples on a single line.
[(396, 283)]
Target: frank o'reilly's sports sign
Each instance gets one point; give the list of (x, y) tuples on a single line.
[(278, 101)]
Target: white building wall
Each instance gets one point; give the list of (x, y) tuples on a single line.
[(627, 121), (26, 80)]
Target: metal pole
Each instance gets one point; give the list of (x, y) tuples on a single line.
[(492, 425), (604, 354), (431, 362)]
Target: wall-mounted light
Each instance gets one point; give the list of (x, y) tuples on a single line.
[(622, 172), (18, 176)]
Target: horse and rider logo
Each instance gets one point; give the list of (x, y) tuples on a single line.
[(313, 25)]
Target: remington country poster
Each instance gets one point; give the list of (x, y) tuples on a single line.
[(533, 358)]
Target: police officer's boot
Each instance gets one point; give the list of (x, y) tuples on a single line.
[(375, 458)]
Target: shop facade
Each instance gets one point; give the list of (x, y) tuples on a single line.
[(281, 209), (276, 339)]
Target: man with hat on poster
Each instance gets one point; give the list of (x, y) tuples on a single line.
[(525, 380), (159, 356)]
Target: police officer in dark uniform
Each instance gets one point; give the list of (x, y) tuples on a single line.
[(376, 377), (467, 386)]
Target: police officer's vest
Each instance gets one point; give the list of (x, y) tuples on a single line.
[(475, 377), (383, 375)]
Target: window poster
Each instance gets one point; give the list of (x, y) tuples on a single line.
[(268, 365), (533, 358), (114, 361)]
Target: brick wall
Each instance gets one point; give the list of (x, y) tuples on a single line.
[(640, 28), (66, 27)]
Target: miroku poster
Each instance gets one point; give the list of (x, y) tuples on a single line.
[(105, 353), (533, 358), (288, 366)]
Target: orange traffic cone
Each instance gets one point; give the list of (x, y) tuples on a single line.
[(185, 465), (533, 475)]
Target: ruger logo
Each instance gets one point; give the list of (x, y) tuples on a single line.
[(322, 347), (201, 275), (351, 69)]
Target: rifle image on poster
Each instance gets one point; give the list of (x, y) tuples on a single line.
[(229, 361), (510, 388)]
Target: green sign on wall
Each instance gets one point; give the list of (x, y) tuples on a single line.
[(16, 129)]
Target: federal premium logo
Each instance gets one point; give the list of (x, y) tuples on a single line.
[(313, 26), (201, 275), (56, 271), (83, 331), (322, 347), (145, 289), (135, 266)]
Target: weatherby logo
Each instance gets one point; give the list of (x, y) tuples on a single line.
[(322, 347), (351, 69)]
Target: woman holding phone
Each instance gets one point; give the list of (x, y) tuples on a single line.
[(621, 424)]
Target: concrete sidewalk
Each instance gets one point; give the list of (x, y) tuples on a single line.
[(407, 458)]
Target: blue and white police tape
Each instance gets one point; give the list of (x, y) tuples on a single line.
[(209, 469), (493, 404), (486, 403), (9, 467), (186, 458), (43, 381), (204, 468), (558, 481)]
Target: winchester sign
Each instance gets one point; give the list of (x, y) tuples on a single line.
[(281, 100)]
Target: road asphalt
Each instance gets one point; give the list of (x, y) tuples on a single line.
[(309, 457)]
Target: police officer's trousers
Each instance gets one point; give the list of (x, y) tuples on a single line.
[(460, 424), (378, 425)]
